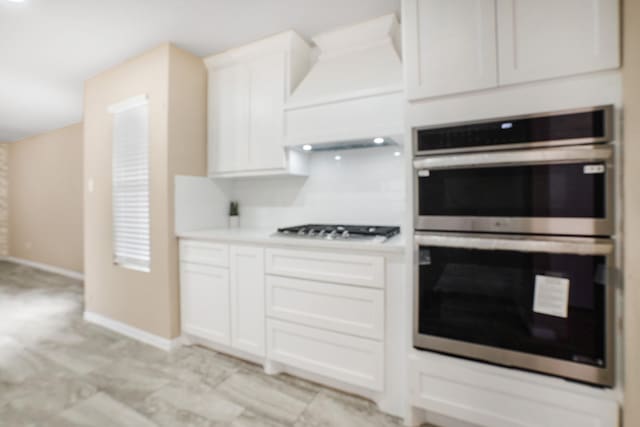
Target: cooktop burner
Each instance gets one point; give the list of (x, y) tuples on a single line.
[(341, 232)]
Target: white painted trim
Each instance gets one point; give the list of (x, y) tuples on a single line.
[(127, 104), (46, 267), (131, 332)]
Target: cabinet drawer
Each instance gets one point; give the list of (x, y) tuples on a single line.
[(494, 396), (340, 308), (349, 359), (206, 253), (350, 269)]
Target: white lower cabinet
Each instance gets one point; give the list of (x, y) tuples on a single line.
[(346, 358), (224, 305), (487, 395), (204, 295), (247, 299), (316, 311)]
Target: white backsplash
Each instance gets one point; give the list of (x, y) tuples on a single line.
[(366, 186)]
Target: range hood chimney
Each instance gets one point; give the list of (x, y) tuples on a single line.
[(353, 93)]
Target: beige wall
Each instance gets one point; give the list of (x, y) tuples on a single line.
[(45, 198), (4, 199), (631, 159), (175, 83)]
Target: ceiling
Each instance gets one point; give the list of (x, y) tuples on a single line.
[(49, 48)]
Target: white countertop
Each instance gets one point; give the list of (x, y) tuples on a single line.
[(268, 237)]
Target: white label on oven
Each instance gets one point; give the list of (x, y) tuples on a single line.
[(591, 169), (423, 173), (551, 296)]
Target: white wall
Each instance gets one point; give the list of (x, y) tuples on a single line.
[(365, 187)]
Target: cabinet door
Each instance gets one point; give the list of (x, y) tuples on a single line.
[(247, 299), (450, 46), (548, 38), (204, 300), (229, 115), (268, 89)]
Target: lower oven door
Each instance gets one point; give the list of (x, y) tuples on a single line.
[(540, 304)]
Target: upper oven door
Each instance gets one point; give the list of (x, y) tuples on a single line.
[(565, 191)]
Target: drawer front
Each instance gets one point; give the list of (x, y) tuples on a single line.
[(360, 270), (349, 359), (492, 396), (214, 254), (339, 308)]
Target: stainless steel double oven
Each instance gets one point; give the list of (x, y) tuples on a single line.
[(513, 248)]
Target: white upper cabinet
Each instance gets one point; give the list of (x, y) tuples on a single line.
[(248, 87), (548, 38), (266, 130), (450, 46), (229, 114), (454, 46)]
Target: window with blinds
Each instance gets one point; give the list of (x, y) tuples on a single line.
[(130, 184)]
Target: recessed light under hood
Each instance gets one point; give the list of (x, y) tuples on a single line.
[(354, 91), (347, 145)]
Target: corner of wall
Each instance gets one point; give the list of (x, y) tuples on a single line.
[(187, 145), (4, 199)]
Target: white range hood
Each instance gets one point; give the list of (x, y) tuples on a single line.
[(354, 91)]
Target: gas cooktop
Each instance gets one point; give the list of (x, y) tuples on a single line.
[(374, 233)]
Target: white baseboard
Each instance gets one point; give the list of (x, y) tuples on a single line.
[(131, 332), (46, 267)]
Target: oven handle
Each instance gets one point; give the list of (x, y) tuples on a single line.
[(576, 246), (505, 158)]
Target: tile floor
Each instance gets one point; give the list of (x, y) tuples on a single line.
[(56, 370)]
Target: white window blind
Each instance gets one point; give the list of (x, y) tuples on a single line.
[(130, 184)]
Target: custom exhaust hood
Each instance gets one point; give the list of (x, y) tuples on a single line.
[(353, 93)]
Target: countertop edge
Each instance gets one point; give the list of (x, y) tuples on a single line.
[(394, 246)]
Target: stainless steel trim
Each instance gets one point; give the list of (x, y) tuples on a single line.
[(523, 157), (608, 132), (572, 370), (555, 244), (533, 225), (529, 225)]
